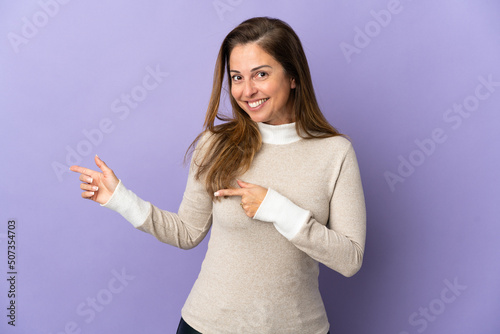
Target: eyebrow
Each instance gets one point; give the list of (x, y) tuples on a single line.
[(253, 69)]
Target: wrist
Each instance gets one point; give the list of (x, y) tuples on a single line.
[(287, 217)]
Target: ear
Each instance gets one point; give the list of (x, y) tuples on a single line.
[(292, 83)]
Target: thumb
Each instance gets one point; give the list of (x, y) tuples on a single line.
[(243, 184), (102, 165)]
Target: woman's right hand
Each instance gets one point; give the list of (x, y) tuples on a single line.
[(97, 186)]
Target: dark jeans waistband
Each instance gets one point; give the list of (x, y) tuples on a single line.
[(184, 328)]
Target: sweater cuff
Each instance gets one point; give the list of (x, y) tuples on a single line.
[(129, 205), (287, 217)]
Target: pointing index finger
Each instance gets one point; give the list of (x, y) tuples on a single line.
[(229, 192), (82, 170)]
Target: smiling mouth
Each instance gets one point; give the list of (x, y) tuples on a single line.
[(257, 103)]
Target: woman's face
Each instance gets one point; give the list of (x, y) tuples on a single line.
[(260, 85)]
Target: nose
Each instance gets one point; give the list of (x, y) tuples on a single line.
[(250, 88)]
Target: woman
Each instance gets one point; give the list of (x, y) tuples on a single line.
[(279, 186)]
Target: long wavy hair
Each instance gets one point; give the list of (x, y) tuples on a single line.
[(234, 143)]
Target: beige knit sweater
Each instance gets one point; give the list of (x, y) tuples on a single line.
[(260, 275)]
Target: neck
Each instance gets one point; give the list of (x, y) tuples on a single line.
[(278, 134)]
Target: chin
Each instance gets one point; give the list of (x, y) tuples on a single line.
[(258, 119), (253, 117)]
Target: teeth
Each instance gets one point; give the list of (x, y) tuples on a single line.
[(257, 103)]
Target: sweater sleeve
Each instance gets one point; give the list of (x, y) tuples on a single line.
[(340, 244), (184, 229)]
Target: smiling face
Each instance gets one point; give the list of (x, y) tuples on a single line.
[(260, 85)]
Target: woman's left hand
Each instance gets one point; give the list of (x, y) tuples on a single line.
[(251, 196)]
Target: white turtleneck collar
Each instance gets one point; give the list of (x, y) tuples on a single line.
[(278, 134)]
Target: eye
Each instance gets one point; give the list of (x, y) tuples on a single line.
[(236, 77), (261, 75)]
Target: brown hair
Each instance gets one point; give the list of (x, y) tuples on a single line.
[(235, 142)]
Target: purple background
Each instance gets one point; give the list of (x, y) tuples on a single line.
[(440, 225)]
